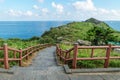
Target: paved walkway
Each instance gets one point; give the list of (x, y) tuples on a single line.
[(44, 67), (95, 76)]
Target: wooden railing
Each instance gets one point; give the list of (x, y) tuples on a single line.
[(18, 55), (66, 55)]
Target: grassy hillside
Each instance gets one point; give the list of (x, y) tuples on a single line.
[(19, 43), (73, 31)]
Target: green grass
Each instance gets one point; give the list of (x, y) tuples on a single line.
[(17, 44), (65, 47), (73, 31), (86, 53)]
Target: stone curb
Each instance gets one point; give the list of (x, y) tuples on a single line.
[(67, 69), (6, 71), (93, 70)]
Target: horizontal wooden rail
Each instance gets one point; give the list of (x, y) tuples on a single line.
[(27, 54), (1, 60), (63, 54), (94, 47), (97, 58), (22, 53), (13, 59), (1, 48), (115, 46), (67, 51), (115, 57), (12, 49), (69, 59)]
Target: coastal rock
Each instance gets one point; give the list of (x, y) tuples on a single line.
[(117, 50), (83, 42)]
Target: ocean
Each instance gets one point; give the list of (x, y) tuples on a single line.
[(28, 29), (114, 24)]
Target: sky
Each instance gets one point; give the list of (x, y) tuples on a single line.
[(59, 10)]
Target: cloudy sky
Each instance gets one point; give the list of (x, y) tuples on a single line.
[(37, 10)]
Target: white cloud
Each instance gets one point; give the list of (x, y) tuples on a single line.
[(106, 14), (68, 13), (84, 9), (18, 13), (115, 12), (35, 7), (28, 13), (104, 11), (88, 8), (14, 13), (41, 1), (58, 7), (44, 10), (84, 5)]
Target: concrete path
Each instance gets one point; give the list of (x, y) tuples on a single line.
[(95, 76), (44, 67)]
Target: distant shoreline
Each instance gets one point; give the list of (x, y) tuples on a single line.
[(28, 29)]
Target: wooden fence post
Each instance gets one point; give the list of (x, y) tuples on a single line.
[(60, 54), (65, 56), (6, 64), (106, 64), (92, 51), (27, 56), (74, 63), (14, 54), (20, 56), (56, 49)]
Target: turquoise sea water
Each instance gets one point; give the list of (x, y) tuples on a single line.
[(28, 29), (114, 24)]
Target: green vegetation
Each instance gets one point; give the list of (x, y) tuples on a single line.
[(86, 53), (92, 30), (17, 44), (92, 20), (99, 35), (95, 31)]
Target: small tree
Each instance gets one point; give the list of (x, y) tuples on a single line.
[(99, 35)]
